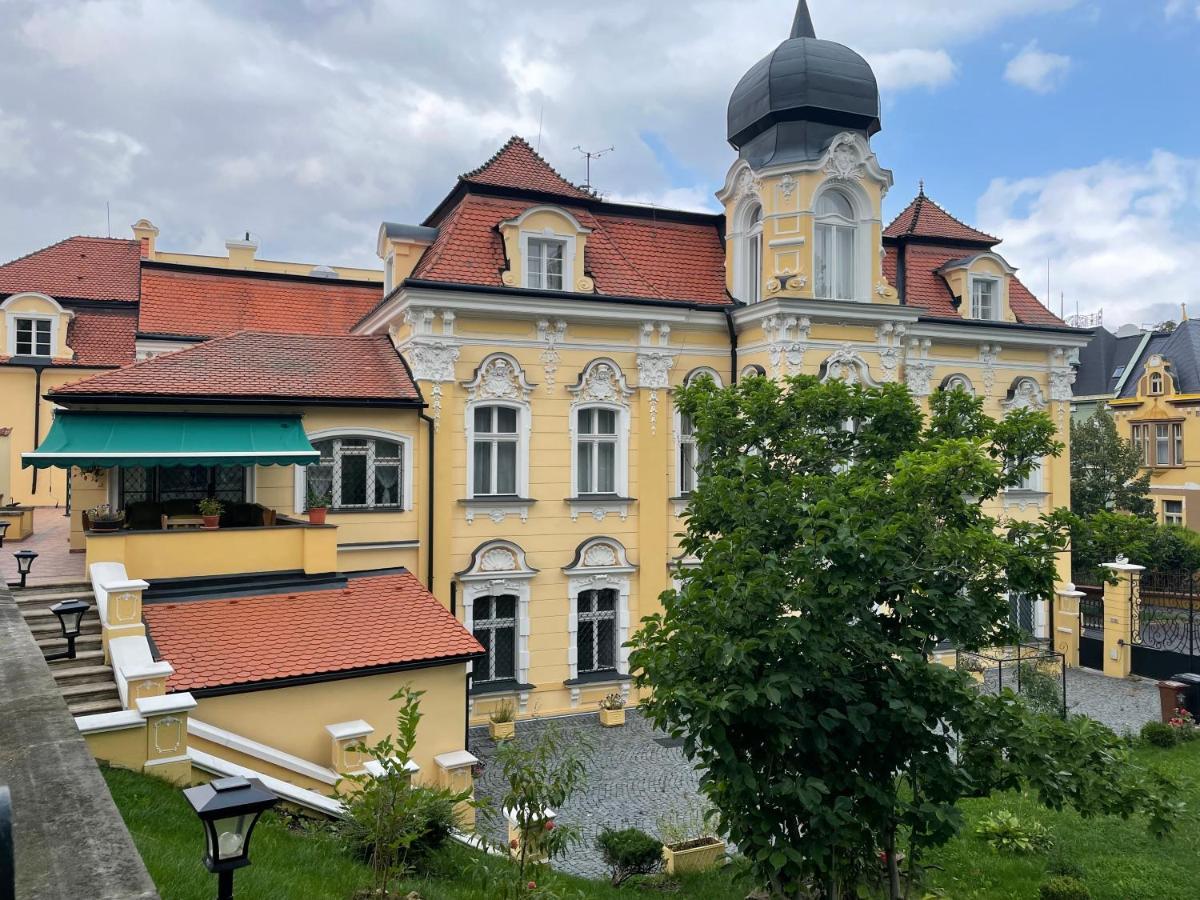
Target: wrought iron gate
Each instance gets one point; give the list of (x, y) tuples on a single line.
[(1163, 624), (1091, 626)]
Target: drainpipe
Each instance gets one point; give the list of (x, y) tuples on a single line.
[(429, 536), (37, 421), (733, 346)]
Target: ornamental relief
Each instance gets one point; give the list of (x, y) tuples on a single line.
[(843, 161), (602, 382), (1025, 394), (499, 377), (498, 559), (846, 364)]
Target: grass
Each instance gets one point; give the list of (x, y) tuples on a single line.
[(289, 865), (1119, 858)]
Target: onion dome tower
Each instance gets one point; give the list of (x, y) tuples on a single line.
[(792, 103)]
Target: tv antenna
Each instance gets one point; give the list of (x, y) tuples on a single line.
[(590, 155)]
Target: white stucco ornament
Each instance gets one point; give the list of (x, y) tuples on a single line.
[(499, 377), (1026, 394), (653, 375), (843, 161), (601, 382), (846, 364)]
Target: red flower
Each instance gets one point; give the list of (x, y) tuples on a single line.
[(532, 886), (549, 824), (513, 843)]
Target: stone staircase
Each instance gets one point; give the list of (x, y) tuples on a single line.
[(86, 682)]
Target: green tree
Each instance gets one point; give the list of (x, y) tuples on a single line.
[(1106, 470), (839, 538)]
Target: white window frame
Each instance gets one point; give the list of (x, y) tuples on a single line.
[(860, 208), (620, 448), (516, 627), (680, 439), (1155, 383), (616, 574), (752, 251), (522, 441), (14, 321), (543, 273), (389, 273), (1033, 483), (499, 567), (1169, 518), (997, 297), (300, 500)]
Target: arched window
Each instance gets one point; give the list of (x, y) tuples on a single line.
[(1156, 383), (833, 252), (752, 244), (360, 472), (685, 429)]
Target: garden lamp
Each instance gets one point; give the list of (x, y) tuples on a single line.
[(3, 529), (70, 620), (229, 809), (24, 560)]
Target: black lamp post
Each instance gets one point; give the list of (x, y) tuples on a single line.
[(229, 809), (24, 560), (70, 620)]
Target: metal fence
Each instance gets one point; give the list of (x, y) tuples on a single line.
[(1033, 670), (1164, 630)]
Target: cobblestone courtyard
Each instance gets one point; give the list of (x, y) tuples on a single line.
[(635, 776)]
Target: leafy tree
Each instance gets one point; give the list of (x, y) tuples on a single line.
[(840, 536), (1106, 470), (1101, 537)]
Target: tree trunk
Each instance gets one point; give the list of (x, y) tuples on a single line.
[(893, 868)]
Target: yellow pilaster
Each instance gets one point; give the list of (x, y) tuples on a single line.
[(1066, 625), (1117, 618), (653, 493), (167, 736)]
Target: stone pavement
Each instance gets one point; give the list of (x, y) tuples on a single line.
[(50, 541), (633, 779)]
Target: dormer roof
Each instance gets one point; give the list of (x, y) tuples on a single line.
[(517, 165), (923, 218), (77, 268)]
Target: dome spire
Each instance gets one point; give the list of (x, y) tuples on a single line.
[(802, 25)]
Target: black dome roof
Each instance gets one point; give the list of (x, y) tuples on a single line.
[(805, 80)]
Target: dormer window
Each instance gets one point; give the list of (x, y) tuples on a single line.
[(33, 336), (544, 264), (833, 253), (985, 298), (1156, 383)]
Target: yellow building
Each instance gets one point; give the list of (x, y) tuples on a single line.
[(537, 472)]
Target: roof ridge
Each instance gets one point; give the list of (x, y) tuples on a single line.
[(943, 210), (516, 141), (59, 243)]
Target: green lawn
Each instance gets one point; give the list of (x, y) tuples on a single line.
[(1120, 860), (288, 865)]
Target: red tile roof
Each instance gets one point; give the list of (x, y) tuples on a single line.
[(626, 255), (1028, 308), (85, 268), (517, 165), (212, 303), (924, 218), (103, 337), (373, 622), (251, 364)]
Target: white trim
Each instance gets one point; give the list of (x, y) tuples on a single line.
[(499, 380), (110, 721), (568, 258), (378, 545), (164, 704), (601, 385), (748, 283), (148, 348), (301, 796), (997, 299), (341, 731), (455, 759), (860, 206), (300, 498), (267, 754), (602, 574), (499, 567)]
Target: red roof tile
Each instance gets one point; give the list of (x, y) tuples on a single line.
[(262, 364), (924, 218), (1028, 308), (85, 268), (517, 165), (213, 303), (103, 337), (374, 621), (626, 255)]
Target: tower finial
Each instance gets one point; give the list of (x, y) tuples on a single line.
[(802, 25), (922, 191)]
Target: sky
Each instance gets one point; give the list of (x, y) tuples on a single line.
[(1067, 127)]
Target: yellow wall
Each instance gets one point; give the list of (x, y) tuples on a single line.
[(293, 719)]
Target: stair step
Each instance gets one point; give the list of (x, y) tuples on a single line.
[(98, 689), (29, 597), (83, 659), (92, 707), (98, 673), (83, 642), (44, 612), (44, 629)]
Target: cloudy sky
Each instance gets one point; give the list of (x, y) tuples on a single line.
[(1068, 127)]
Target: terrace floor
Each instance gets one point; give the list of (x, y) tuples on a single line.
[(56, 564)]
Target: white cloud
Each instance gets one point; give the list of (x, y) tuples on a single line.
[(1176, 8), (910, 68), (1121, 236), (1037, 70)]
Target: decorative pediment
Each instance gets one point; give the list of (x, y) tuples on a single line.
[(497, 560), (1025, 393), (499, 377), (846, 364), (599, 555), (601, 382), (956, 382)]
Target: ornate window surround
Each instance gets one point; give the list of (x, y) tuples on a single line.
[(300, 479), (852, 190), (601, 385), (1024, 393), (680, 500), (499, 380), (750, 284), (569, 241), (500, 567), (600, 563), (958, 379), (54, 317)]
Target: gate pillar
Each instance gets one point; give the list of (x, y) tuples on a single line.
[(1066, 625), (1118, 616)]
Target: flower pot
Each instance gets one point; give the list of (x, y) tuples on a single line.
[(113, 525), (502, 731), (612, 718), (211, 521), (699, 855), (316, 515)]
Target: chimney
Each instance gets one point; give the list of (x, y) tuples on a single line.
[(241, 252), (145, 232)]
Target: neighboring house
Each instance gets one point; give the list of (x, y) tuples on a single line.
[(1105, 366), (1156, 408), (498, 418)]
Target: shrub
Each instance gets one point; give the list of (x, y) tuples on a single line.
[(1061, 864), (1063, 887), (1041, 688), (1183, 724), (1160, 734), (1005, 833), (504, 712), (629, 852)]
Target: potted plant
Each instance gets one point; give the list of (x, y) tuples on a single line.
[(612, 711), (502, 724), (689, 842), (973, 666), (318, 505), (211, 509), (105, 518)]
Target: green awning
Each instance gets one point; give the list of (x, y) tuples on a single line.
[(91, 440)]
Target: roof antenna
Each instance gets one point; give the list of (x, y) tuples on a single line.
[(802, 25), (541, 115), (590, 155), (108, 216)]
